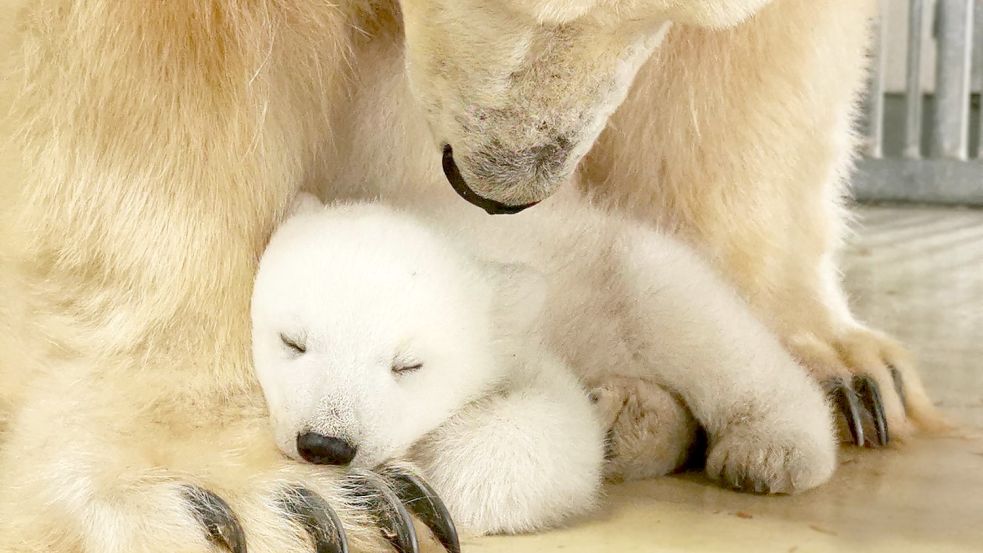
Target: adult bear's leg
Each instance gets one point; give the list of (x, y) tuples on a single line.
[(161, 141), (741, 141)]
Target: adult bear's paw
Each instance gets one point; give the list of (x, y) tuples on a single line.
[(293, 508), (388, 500), (871, 382)]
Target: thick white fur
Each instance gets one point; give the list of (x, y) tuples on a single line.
[(149, 149), (626, 301), (513, 443), (527, 458), (515, 446)]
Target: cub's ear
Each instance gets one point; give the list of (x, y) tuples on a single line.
[(518, 295), (304, 202)]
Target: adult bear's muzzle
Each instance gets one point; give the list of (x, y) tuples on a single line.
[(492, 207)]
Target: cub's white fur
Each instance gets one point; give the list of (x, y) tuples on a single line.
[(499, 422), (517, 445)]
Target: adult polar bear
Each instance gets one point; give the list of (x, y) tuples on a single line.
[(163, 142)]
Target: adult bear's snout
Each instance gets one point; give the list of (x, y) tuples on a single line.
[(324, 450), (492, 207)]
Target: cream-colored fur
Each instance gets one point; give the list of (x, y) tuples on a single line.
[(155, 146), (160, 144), (745, 151), (522, 96)]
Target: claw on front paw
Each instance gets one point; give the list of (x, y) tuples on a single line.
[(858, 402), (870, 397), (392, 497), (421, 500), (748, 484), (318, 519), (216, 518), (392, 517), (389, 497), (846, 400), (898, 386)]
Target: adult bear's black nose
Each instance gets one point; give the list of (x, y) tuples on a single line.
[(324, 450), (460, 186)]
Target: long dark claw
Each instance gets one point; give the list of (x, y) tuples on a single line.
[(609, 451), (422, 501), (846, 400), (761, 488), (317, 518), (392, 518), (748, 484), (217, 518), (899, 386), (870, 396)]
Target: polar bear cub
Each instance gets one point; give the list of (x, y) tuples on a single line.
[(465, 344), (372, 332)]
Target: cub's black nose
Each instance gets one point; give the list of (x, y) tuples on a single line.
[(324, 450)]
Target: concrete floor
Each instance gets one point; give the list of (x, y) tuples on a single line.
[(918, 274)]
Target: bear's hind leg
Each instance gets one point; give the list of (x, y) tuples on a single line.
[(650, 431)]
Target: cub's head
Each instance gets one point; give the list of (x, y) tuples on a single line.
[(517, 91), (369, 331)]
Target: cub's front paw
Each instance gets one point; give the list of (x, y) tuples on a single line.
[(772, 457)]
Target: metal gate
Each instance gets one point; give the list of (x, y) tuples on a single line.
[(924, 133)]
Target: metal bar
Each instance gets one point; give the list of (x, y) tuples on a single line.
[(875, 93), (950, 124), (913, 82), (978, 84), (935, 181), (978, 48)]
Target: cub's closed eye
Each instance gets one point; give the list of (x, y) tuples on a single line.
[(293, 345), (400, 368)]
